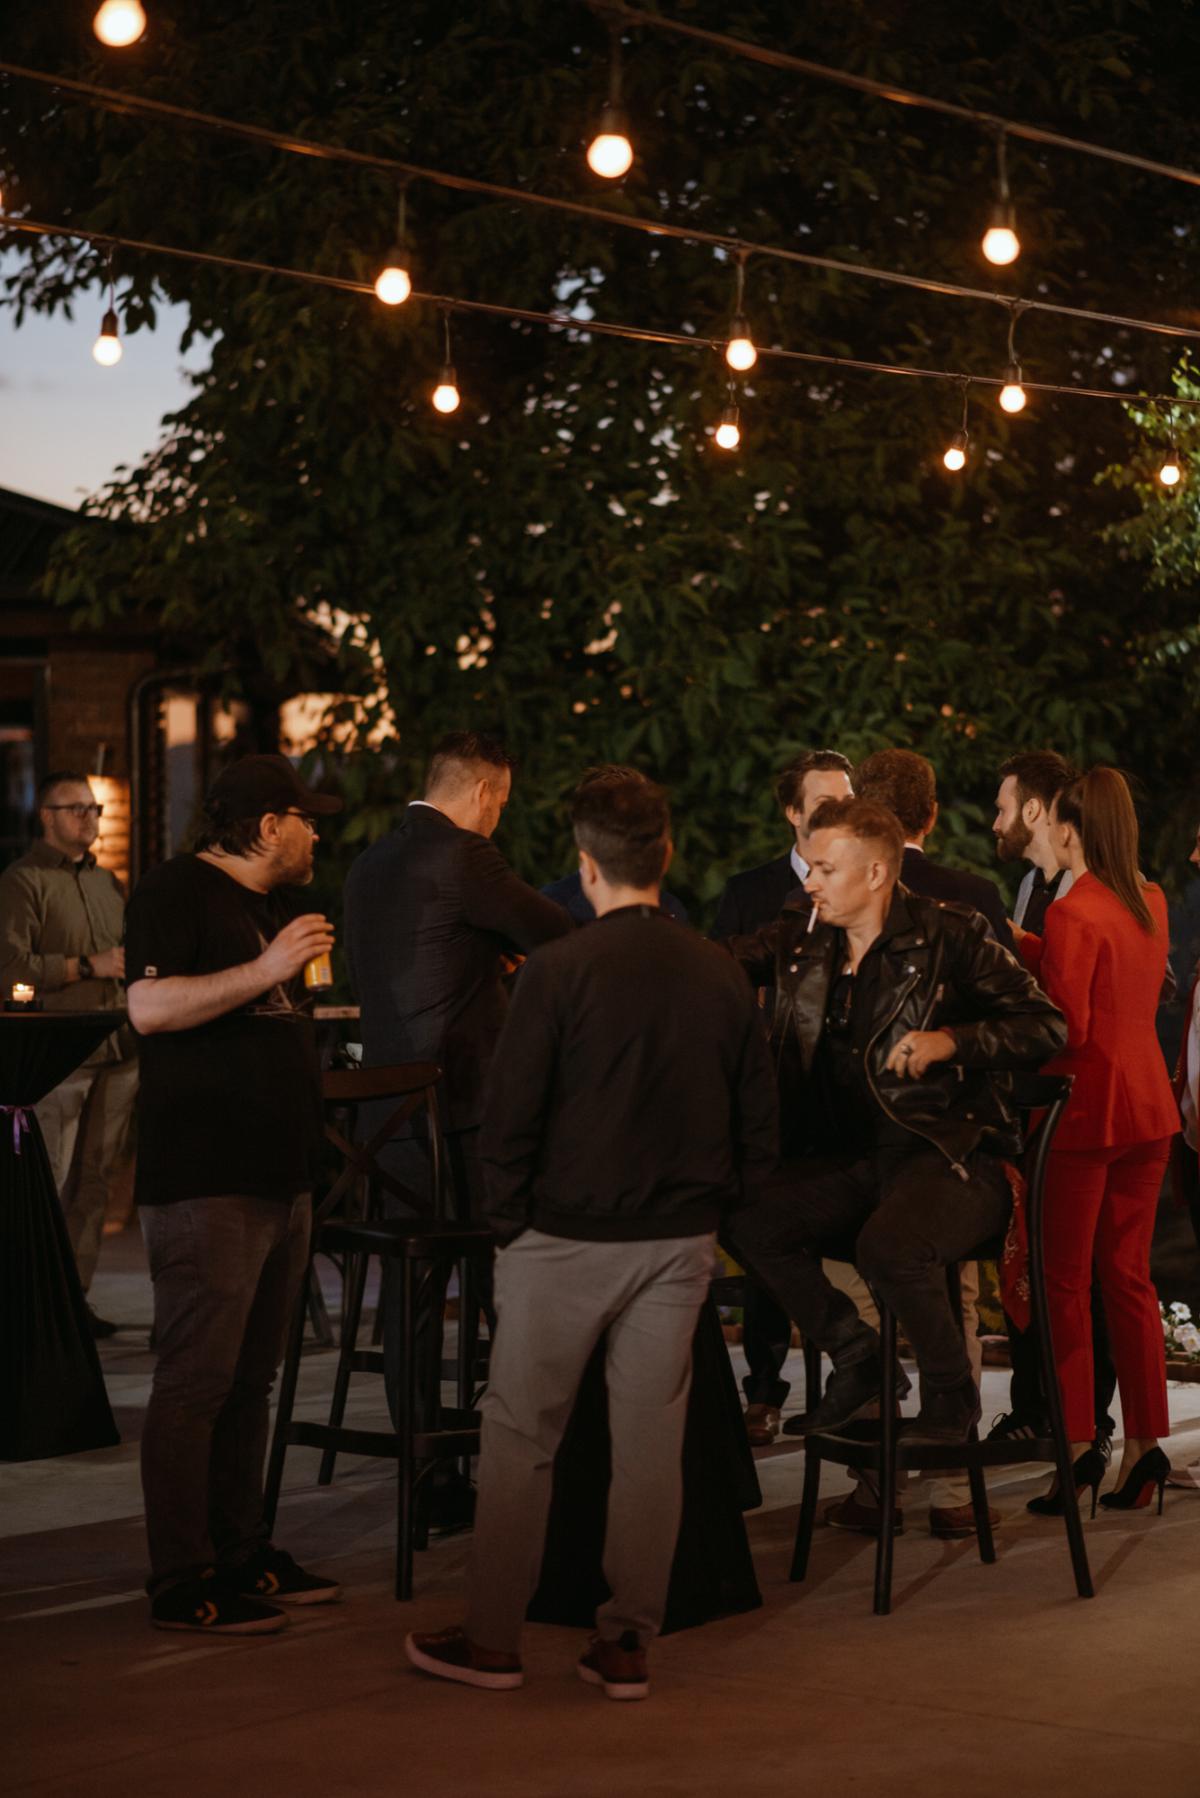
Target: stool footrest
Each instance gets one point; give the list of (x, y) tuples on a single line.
[(457, 1435)]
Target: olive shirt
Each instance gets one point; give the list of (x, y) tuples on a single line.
[(52, 908)]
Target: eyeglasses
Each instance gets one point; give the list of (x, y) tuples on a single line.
[(77, 811), (306, 818)]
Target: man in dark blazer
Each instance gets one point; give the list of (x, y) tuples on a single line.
[(751, 900), (568, 891), (905, 783), (433, 912)]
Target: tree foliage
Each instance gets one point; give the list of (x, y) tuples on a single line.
[(569, 559)]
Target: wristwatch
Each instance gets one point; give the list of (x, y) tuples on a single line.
[(86, 971)]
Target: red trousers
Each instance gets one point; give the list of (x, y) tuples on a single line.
[(1100, 1206)]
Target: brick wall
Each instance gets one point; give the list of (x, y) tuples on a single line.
[(86, 706)]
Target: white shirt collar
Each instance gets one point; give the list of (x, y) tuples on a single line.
[(427, 803), (800, 868)]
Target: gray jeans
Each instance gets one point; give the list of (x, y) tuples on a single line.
[(555, 1298), (227, 1275)]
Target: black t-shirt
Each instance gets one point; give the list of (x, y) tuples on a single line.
[(849, 1118), (232, 1106)]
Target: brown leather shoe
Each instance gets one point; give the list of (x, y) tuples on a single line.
[(620, 1667), (762, 1425), (450, 1654), (948, 1522), (851, 1514)]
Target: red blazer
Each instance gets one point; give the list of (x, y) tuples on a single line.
[(1105, 974)]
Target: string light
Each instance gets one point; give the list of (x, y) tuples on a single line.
[(610, 153), (446, 396), (740, 352), (393, 283), (119, 23), (107, 349), (1012, 394), (955, 457), (1001, 244), (729, 430), (1170, 474)]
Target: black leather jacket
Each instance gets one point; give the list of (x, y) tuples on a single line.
[(940, 969)]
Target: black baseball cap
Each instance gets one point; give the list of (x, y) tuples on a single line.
[(266, 783)]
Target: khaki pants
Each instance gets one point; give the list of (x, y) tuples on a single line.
[(555, 1299), (85, 1122)]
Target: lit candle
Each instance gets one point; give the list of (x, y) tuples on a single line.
[(22, 994)]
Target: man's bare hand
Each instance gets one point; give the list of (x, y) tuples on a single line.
[(297, 943), (1017, 933), (510, 963), (110, 964), (918, 1050)]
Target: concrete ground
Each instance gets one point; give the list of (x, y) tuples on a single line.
[(996, 1679)]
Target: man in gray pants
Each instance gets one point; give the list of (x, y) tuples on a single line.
[(629, 1104)]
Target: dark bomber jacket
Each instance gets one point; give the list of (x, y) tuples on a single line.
[(938, 969)]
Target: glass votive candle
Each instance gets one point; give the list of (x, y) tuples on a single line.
[(23, 994)]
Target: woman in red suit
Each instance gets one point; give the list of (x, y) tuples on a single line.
[(1102, 960)]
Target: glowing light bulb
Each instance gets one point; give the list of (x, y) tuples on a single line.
[(393, 284), (740, 352), (119, 23), (1012, 394), (1170, 473), (1001, 244), (610, 152), (955, 457), (107, 347), (729, 433), (446, 396)]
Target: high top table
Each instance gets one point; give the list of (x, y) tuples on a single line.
[(52, 1397)]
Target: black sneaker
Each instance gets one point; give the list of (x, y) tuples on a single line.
[(1017, 1426), (850, 1392), (100, 1327), (272, 1574), (208, 1606)]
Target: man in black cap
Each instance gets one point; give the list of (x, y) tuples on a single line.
[(228, 1136)]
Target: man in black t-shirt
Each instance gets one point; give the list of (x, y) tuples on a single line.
[(229, 1129)]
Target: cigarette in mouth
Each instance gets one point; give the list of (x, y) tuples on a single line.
[(812, 921)]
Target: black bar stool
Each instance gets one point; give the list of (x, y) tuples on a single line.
[(881, 1449), (428, 1248)]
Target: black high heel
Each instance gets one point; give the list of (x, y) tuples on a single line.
[(1088, 1470), (1146, 1474)]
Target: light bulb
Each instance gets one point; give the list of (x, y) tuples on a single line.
[(956, 456), (1012, 394), (740, 352), (1000, 241), (107, 347), (119, 23), (393, 284), (1170, 473), (446, 395), (610, 152), (729, 433)]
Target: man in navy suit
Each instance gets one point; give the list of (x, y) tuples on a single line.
[(568, 892), (750, 900)]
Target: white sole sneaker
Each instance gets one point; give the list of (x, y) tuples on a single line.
[(624, 1691), (465, 1676)]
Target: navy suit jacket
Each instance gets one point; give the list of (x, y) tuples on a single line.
[(755, 897), (568, 892), (933, 881)]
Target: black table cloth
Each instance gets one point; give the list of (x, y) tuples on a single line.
[(52, 1397), (713, 1573)]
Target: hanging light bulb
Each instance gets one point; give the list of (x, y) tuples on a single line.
[(393, 283), (445, 396), (610, 153), (740, 352), (119, 23), (1001, 244), (955, 457), (729, 430), (107, 349), (1012, 394), (1170, 474)]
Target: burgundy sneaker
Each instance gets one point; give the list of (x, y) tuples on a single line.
[(450, 1654), (620, 1667)]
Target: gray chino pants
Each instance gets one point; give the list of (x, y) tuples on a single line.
[(555, 1298), (227, 1274)]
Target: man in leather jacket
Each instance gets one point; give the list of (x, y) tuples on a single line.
[(897, 1024)]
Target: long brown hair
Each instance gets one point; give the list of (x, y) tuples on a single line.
[(1100, 807)]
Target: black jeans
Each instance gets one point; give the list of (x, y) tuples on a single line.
[(227, 1276), (766, 1340), (902, 1218), (407, 1160)]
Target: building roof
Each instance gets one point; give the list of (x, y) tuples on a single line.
[(28, 527)]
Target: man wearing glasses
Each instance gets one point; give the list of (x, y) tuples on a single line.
[(62, 918)]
